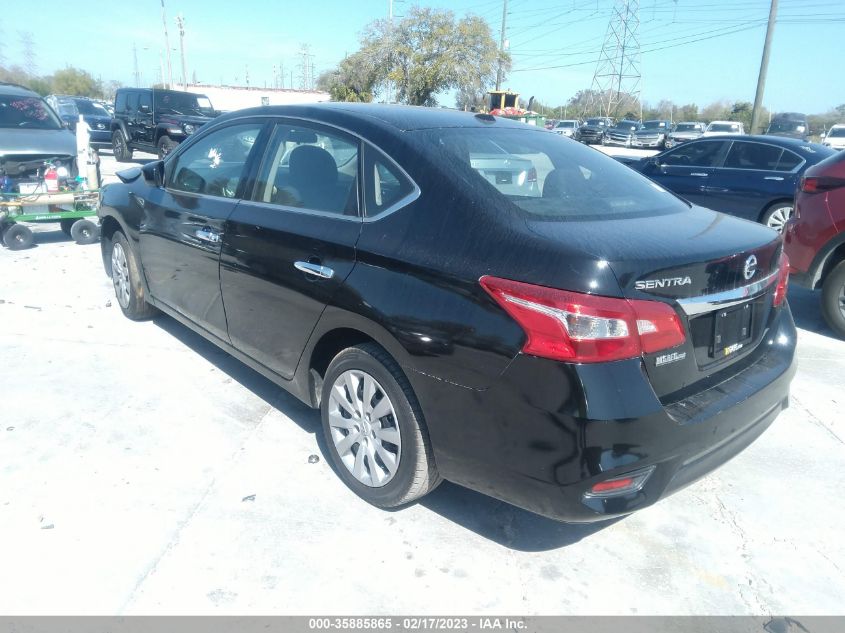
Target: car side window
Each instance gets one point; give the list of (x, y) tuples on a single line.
[(310, 167), (385, 183), (788, 161), (132, 102), (695, 154), (214, 165), (120, 102), (746, 155), (145, 99)]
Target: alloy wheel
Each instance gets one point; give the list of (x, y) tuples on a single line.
[(779, 217), (364, 428), (120, 274)]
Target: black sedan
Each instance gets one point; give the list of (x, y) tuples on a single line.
[(579, 348), (752, 177)]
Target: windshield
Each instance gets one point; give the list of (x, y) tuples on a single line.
[(837, 132), (67, 108), (566, 124), (89, 107), (545, 177), (723, 127), (26, 112), (596, 121), (787, 126), (688, 127), (627, 125), (654, 125), (183, 103)]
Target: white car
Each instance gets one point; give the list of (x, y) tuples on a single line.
[(724, 127), (835, 137), (566, 127)]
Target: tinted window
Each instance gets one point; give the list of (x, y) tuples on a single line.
[(695, 154), (688, 127), (214, 165), (132, 102), (89, 107), (120, 102), (544, 175), (385, 183), (788, 161), (836, 132), (745, 155), (26, 112), (184, 103), (723, 127), (145, 98), (311, 168)]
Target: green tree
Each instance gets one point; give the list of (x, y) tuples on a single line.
[(688, 112), (353, 79), (73, 81)]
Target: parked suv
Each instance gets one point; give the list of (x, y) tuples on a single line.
[(815, 237), (685, 131), (579, 353), (156, 121), (593, 129), (652, 134), (835, 137), (790, 125)]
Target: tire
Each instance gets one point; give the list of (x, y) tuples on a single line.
[(165, 146), (120, 147), (777, 215), (396, 463), (85, 231), (66, 225), (833, 299), (17, 237), (126, 279)]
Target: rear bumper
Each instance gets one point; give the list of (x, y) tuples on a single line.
[(543, 435)]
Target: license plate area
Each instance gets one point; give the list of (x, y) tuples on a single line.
[(732, 329), (503, 177)]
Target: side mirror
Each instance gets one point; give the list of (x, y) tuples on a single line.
[(154, 173)]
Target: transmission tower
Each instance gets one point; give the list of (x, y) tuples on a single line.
[(28, 47), (616, 82), (306, 68)]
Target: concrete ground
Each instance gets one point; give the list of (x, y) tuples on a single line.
[(143, 471)]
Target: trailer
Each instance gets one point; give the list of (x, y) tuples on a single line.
[(72, 210)]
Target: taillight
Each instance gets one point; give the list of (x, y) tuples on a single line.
[(532, 175), (783, 280), (573, 326), (819, 184)]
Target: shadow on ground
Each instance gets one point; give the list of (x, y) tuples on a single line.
[(490, 518), (806, 310)]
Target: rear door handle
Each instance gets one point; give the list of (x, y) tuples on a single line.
[(700, 174), (207, 234), (773, 178), (323, 272)]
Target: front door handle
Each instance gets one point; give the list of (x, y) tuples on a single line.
[(773, 178), (700, 174), (207, 234), (323, 272)]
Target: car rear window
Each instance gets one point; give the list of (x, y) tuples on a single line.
[(546, 175)]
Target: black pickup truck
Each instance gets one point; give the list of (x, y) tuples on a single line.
[(156, 121)]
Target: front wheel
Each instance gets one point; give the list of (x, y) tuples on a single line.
[(777, 216), (833, 299), (165, 146), (126, 278), (374, 428)]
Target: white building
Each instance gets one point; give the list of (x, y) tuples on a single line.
[(228, 98)]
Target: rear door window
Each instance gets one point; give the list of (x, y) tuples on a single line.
[(132, 102), (788, 161), (145, 99), (758, 156)]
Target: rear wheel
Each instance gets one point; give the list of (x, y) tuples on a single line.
[(777, 215), (122, 152), (374, 428), (833, 299), (17, 237), (84, 231), (126, 278)]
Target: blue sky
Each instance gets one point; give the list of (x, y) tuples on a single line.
[(554, 44)]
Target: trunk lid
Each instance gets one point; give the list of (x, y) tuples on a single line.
[(718, 272)]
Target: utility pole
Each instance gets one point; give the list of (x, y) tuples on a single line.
[(136, 72), (502, 44), (180, 22), (764, 68), (167, 47)]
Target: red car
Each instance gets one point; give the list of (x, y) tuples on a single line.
[(815, 237)]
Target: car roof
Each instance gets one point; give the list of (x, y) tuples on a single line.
[(730, 122), (391, 117), (795, 144), (17, 89)]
